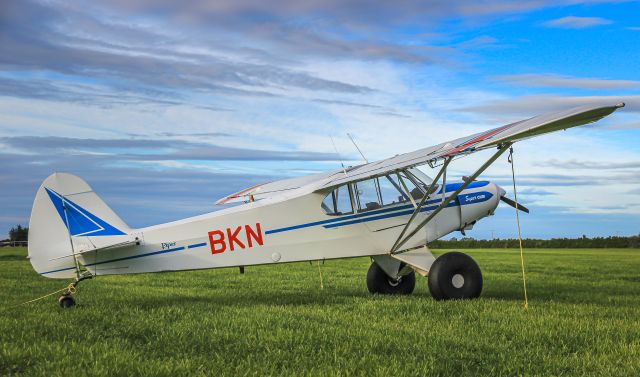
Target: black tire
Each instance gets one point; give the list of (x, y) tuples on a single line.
[(379, 282), (445, 273), (66, 301)]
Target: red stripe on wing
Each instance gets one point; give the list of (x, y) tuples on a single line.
[(238, 194), (478, 139)]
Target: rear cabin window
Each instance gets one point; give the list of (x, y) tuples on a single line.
[(338, 202)]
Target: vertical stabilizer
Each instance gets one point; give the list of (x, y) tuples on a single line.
[(67, 210)]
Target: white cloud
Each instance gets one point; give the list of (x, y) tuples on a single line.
[(558, 81), (287, 86), (573, 22)]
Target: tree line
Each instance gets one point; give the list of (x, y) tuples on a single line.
[(19, 233), (553, 243)]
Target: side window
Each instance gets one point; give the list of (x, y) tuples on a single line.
[(338, 202), (392, 191), (367, 194), (343, 200)]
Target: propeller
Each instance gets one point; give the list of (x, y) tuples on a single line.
[(512, 203)]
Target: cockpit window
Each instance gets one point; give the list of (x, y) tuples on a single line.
[(338, 202), (391, 190), (402, 185), (421, 182), (368, 195), (381, 192), (376, 193), (418, 174)]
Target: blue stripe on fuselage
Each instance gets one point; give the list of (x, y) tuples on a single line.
[(339, 219), (192, 246), (454, 186), (385, 213)]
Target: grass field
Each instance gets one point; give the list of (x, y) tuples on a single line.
[(584, 319)]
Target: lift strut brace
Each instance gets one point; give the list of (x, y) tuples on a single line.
[(418, 207), (401, 241)]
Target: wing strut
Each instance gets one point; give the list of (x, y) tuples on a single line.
[(418, 207), (401, 241)]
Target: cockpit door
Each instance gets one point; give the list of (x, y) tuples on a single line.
[(382, 203)]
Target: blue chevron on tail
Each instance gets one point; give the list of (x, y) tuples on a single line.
[(78, 220)]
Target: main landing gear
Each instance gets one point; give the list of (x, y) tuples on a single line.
[(379, 282), (453, 275)]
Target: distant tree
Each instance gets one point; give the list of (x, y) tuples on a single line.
[(556, 243), (19, 233)]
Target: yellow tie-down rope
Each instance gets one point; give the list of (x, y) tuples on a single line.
[(320, 272), (70, 289), (515, 198)]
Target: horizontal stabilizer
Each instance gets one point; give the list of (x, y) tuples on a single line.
[(116, 246)]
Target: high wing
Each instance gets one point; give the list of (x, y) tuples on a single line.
[(512, 132), (523, 129), (270, 189)]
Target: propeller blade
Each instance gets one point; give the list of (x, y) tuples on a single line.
[(512, 203)]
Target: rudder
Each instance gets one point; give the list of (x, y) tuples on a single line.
[(65, 209)]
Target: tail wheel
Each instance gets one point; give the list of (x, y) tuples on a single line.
[(66, 301), (379, 282), (455, 275)]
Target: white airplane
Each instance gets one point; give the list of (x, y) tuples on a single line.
[(388, 210)]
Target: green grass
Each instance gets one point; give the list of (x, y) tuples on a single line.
[(584, 319)]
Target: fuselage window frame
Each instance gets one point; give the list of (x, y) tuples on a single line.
[(334, 195), (354, 196)]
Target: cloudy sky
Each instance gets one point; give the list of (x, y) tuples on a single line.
[(165, 106)]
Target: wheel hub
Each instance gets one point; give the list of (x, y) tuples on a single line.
[(394, 283), (457, 280)]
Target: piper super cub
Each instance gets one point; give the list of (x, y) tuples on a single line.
[(388, 210)]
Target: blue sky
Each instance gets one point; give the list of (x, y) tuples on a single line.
[(164, 106)]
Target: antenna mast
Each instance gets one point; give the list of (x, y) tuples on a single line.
[(338, 153), (356, 145)]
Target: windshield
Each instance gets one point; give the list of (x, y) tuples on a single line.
[(421, 180), (421, 176)]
